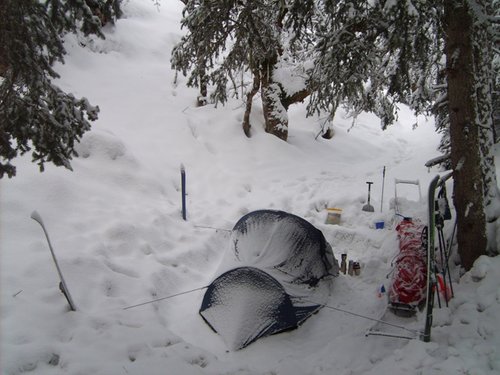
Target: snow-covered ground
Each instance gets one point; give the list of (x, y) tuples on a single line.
[(115, 223)]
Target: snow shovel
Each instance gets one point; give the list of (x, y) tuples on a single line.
[(368, 207)]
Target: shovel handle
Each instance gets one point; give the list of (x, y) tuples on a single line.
[(369, 189)]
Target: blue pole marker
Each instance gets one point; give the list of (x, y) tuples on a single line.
[(183, 192)]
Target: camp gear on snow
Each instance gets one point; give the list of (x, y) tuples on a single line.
[(333, 216), (343, 263), (397, 202), (442, 213), (350, 268), (408, 285), (431, 259), (277, 272), (415, 277), (368, 207), (356, 268), (381, 291)]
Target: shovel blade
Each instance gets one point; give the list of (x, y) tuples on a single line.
[(368, 208)]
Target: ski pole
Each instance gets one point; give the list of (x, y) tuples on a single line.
[(444, 263), (447, 255), (383, 183)]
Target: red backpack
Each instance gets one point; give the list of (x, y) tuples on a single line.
[(408, 286)]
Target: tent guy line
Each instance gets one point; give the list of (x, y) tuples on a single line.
[(414, 331), (214, 228), (164, 298), (324, 305)]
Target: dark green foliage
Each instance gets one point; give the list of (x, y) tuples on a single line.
[(228, 40), (223, 38), (371, 56), (34, 113), (106, 10)]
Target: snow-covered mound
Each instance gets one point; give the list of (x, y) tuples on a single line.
[(115, 223)]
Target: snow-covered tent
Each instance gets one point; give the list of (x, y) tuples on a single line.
[(278, 272)]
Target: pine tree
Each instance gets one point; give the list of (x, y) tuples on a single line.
[(366, 58), (373, 55), (35, 114), (228, 39)]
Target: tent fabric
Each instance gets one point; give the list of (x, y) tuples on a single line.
[(258, 306), (408, 286), (277, 271)]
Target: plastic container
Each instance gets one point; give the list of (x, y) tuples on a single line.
[(343, 263), (356, 268), (379, 225), (350, 269), (334, 215)]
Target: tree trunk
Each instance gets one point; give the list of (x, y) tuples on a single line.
[(248, 107), (203, 83), (484, 75), (297, 97), (464, 134), (275, 114)]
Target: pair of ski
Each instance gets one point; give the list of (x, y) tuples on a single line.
[(393, 324)]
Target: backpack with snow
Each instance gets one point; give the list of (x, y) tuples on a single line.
[(408, 285)]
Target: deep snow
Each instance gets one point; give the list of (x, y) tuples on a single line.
[(116, 225)]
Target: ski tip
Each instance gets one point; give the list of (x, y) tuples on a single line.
[(36, 216)]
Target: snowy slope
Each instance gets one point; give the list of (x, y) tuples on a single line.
[(116, 225)]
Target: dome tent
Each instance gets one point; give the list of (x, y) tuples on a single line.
[(277, 272)]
